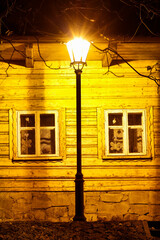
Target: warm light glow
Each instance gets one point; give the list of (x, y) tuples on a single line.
[(78, 49)]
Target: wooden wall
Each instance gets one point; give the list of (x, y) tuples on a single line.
[(41, 88), (46, 88)]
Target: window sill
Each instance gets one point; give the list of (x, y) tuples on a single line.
[(37, 159), (128, 158)]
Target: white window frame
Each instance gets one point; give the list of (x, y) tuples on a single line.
[(125, 127), (37, 134)]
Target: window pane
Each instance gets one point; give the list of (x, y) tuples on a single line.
[(28, 142), (47, 120), (134, 119), (115, 119), (47, 141), (27, 120), (115, 141), (135, 140)]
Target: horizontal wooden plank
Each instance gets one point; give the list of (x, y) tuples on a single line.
[(4, 138), (157, 151), (122, 171), (156, 126), (94, 86), (35, 93), (3, 144), (4, 119), (54, 102), (4, 149), (92, 67), (84, 145), (53, 186), (85, 141), (138, 51), (22, 185), (4, 115), (86, 150), (89, 115), (37, 185), (86, 131), (93, 64), (84, 122), (85, 111), (4, 112), (156, 117), (4, 127), (121, 185), (64, 82), (87, 74), (57, 65)]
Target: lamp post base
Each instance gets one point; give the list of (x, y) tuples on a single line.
[(79, 218), (79, 208)]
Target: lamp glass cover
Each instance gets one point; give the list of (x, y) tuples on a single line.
[(78, 49)]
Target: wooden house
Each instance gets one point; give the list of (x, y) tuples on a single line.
[(120, 130)]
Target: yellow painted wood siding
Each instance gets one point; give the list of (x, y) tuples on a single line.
[(41, 88), (156, 129), (89, 132), (4, 133)]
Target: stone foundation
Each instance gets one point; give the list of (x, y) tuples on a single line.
[(60, 206)]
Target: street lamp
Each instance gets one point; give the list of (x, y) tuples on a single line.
[(78, 50)]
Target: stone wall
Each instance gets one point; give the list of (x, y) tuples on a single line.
[(60, 206), (116, 205), (50, 206)]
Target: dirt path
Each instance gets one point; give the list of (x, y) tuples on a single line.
[(72, 231)]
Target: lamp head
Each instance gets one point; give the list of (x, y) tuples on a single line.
[(78, 49)]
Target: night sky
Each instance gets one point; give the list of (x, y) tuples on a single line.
[(71, 17)]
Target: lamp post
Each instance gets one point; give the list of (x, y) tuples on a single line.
[(78, 50)]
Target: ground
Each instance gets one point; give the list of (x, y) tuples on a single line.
[(128, 230)]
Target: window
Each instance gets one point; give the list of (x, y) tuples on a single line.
[(37, 133), (125, 132)]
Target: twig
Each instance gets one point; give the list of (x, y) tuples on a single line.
[(140, 74)]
